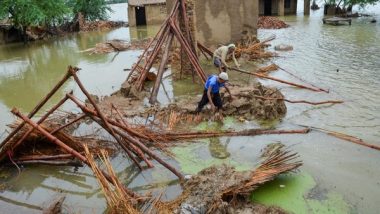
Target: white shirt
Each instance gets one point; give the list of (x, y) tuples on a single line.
[(222, 53)]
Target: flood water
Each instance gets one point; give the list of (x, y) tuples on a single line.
[(345, 59)]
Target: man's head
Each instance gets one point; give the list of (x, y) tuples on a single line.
[(231, 47), (223, 77)]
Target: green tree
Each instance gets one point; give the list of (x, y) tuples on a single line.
[(350, 3), (26, 13), (91, 9)]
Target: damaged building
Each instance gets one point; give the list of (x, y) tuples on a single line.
[(146, 12), (215, 21), (281, 7), (221, 22)]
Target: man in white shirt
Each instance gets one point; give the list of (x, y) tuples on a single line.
[(220, 56)]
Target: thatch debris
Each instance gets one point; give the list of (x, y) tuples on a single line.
[(271, 22), (221, 189)]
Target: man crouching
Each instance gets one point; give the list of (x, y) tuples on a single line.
[(211, 92)]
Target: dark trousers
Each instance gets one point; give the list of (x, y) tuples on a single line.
[(218, 63), (215, 99)]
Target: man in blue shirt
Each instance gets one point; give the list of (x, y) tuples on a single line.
[(211, 92)]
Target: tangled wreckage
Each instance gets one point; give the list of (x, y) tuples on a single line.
[(49, 139)]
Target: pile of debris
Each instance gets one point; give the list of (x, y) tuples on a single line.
[(271, 22), (248, 104), (255, 49), (221, 189), (117, 45), (80, 24)]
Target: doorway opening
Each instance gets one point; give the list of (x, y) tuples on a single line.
[(140, 16), (267, 7)]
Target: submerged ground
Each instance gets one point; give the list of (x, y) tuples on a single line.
[(337, 176)]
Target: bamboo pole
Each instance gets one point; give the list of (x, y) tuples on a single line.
[(151, 59), (61, 144), (68, 124), (49, 136), (51, 162), (205, 49), (163, 25), (41, 120), (130, 139), (39, 106), (150, 153), (275, 79), (301, 79), (149, 63), (45, 157), (250, 132), (346, 137), (193, 59), (109, 130), (161, 69), (301, 101), (186, 21), (138, 151)]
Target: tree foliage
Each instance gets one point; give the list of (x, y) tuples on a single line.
[(345, 3), (33, 12), (24, 13), (91, 9)]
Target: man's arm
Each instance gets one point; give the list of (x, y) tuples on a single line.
[(228, 90), (235, 61), (209, 98), (224, 56)]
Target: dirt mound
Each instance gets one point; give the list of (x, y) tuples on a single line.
[(270, 22)]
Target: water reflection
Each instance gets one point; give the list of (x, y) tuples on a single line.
[(217, 149)]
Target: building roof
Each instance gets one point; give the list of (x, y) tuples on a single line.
[(145, 2)]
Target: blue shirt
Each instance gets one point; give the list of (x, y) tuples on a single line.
[(212, 81)]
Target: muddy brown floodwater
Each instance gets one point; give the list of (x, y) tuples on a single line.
[(337, 176)]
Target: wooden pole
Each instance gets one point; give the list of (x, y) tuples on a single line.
[(129, 138), (49, 136), (63, 145), (193, 59), (150, 153), (41, 120), (68, 124), (161, 69), (301, 101), (275, 79), (109, 129), (158, 35), (39, 106), (299, 78)]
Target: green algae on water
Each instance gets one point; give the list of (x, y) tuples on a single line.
[(195, 157), (292, 193)]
